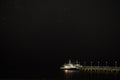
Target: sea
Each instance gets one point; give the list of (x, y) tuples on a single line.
[(81, 75), (53, 72), (58, 74), (68, 75)]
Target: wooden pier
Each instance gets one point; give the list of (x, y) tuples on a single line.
[(100, 68)]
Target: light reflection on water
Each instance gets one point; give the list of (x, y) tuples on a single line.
[(70, 71), (80, 75), (70, 74)]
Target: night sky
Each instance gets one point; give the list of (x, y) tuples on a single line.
[(39, 34)]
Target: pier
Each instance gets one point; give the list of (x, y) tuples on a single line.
[(100, 68)]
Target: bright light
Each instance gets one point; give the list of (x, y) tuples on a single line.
[(66, 67)]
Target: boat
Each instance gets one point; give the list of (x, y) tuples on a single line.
[(70, 66)]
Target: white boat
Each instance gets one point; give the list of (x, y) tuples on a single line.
[(71, 66)]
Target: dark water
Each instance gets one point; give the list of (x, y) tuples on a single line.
[(80, 75)]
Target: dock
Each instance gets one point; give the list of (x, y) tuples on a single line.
[(100, 68), (91, 67)]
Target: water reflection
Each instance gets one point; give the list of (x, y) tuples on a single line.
[(70, 71), (81, 75), (70, 74)]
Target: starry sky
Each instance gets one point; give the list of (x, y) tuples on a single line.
[(34, 31)]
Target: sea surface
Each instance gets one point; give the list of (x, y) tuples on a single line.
[(65, 75), (81, 75)]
